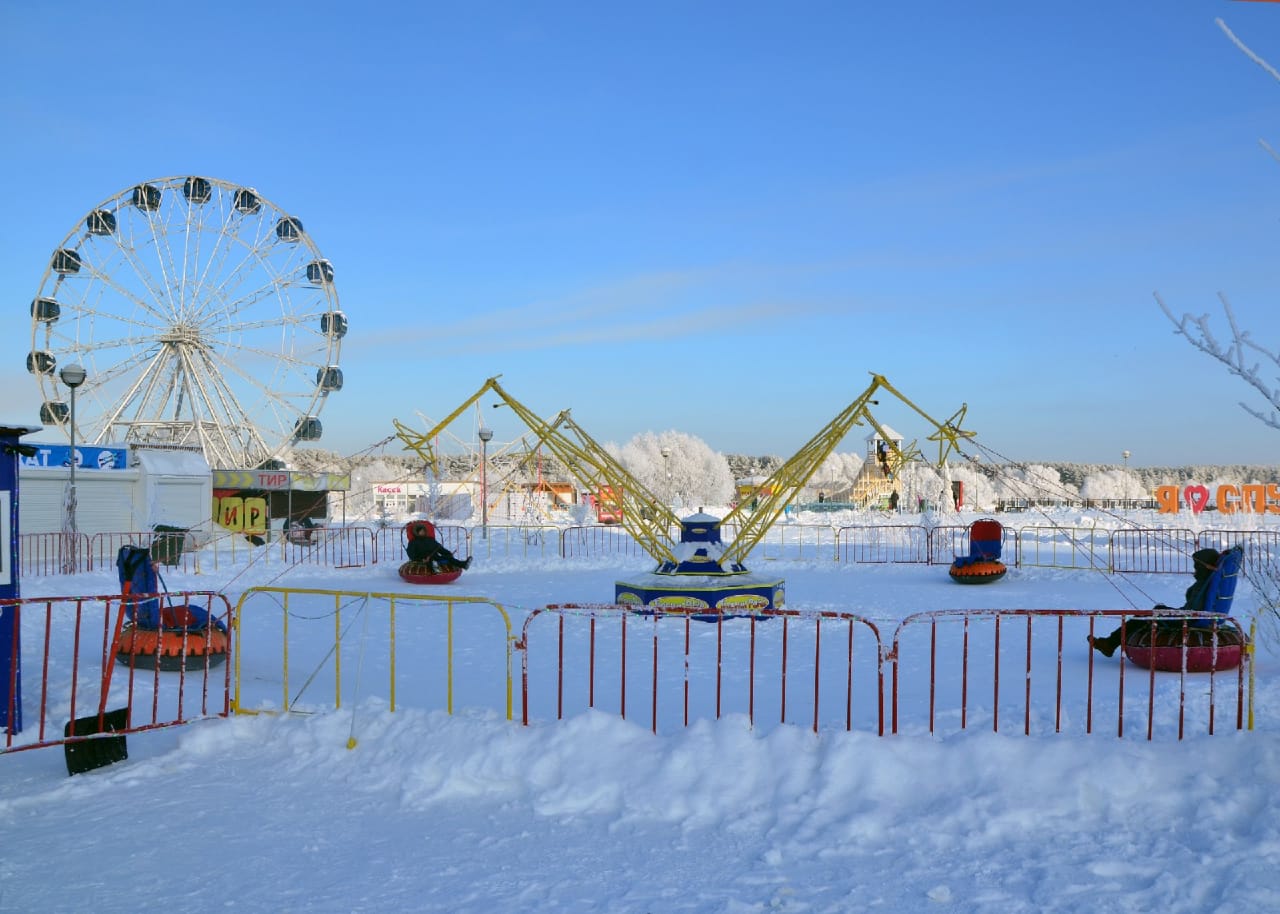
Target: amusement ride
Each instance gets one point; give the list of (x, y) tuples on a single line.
[(698, 566), (203, 314)]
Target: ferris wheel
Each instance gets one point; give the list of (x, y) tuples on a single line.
[(203, 316)]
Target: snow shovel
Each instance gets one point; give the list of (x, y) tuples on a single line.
[(89, 754)]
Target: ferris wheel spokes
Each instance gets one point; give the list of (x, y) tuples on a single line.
[(202, 310)]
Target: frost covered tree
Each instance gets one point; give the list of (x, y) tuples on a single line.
[(979, 491), (1036, 483), (679, 469), (921, 485), (1112, 485), (836, 473)]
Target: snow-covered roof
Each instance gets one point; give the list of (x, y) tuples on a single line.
[(173, 463), (22, 428), (889, 433)]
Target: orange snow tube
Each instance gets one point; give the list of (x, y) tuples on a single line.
[(172, 649), (979, 571)]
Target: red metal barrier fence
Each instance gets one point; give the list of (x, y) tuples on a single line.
[(42, 554), (334, 547), (170, 549), (389, 542), (687, 665), (1058, 682), (65, 645), (826, 670)]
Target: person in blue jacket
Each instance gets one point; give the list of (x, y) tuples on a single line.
[(1204, 563)]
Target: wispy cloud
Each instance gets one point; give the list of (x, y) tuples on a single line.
[(655, 307)]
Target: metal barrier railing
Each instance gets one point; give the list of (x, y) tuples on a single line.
[(897, 543), (389, 542), (286, 634), (42, 554), (1081, 548), (335, 547), (774, 665), (1151, 551), (295, 649), (516, 541), (946, 542), (1156, 550), (678, 665), (178, 548), (65, 649), (590, 541), (1261, 547), (798, 543), (1043, 672)]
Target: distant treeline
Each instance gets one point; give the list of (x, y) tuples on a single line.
[(315, 460), (1150, 477)]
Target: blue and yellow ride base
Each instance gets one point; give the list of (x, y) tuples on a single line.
[(716, 593), (700, 579)]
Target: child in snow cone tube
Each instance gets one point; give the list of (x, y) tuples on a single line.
[(1204, 564)]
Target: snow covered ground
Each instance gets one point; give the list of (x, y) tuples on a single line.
[(472, 813)]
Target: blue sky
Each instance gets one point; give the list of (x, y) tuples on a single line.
[(716, 218)]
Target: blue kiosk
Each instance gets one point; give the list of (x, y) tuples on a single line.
[(10, 645)]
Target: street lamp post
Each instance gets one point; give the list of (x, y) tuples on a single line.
[(73, 376), (486, 435), (666, 463)]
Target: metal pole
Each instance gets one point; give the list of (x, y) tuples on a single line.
[(72, 560), (485, 435), (73, 376)]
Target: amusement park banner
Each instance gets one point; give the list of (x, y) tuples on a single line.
[(281, 480), (1254, 498), (87, 457)]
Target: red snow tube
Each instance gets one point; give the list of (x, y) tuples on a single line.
[(980, 571), (421, 573), (170, 649), (1164, 651)]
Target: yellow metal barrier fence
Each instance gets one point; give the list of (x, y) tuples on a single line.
[(279, 631)]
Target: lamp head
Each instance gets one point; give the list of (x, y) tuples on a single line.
[(72, 375)]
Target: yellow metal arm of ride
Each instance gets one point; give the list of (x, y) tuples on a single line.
[(648, 521), (421, 444), (780, 489), (643, 516)]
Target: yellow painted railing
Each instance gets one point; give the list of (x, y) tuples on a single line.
[(404, 640)]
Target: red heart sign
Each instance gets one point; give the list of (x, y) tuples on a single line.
[(1196, 498)]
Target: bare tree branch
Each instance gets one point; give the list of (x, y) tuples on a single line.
[(1245, 49), (1238, 355), (1270, 150)]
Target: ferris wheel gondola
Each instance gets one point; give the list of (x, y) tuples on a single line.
[(204, 316)]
